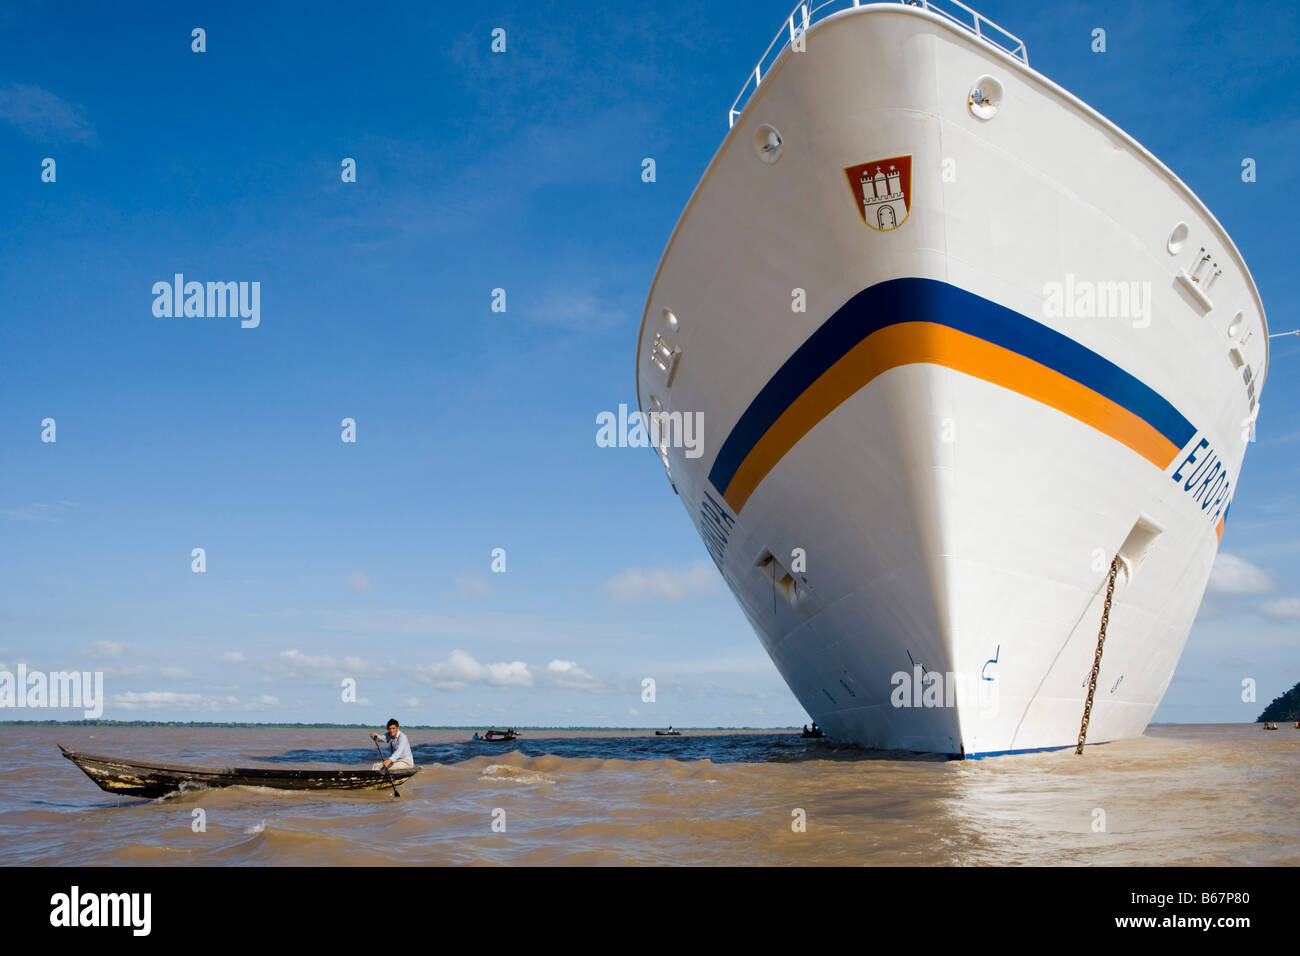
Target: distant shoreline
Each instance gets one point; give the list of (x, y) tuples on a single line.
[(228, 725), (199, 724)]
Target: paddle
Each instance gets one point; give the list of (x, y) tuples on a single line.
[(386, 773)]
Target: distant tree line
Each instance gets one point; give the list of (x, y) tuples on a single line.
[(309, 726), (181, 723)]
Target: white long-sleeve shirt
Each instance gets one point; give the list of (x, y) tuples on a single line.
[(400, 746)]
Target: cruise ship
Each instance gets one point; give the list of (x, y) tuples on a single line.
[(975, 371)]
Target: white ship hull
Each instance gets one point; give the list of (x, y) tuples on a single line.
[(915, 486)]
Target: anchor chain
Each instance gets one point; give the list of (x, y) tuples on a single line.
[(1096, 662)]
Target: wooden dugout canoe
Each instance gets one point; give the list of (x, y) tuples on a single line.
[(138, 778)]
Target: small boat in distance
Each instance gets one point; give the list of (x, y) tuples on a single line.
[(498, 736), (137, 778), (814, 734), (668, 733)]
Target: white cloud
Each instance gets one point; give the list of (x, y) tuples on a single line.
[(55, 512), (174, 673), (411, 702), (484, 628), (152, 699), (322, 667), (468, 586), (359, 582), (1283, 609), (106, 649), (126, 670), (1234, 575), (583, 308), (460, 670), (566, 667), (569, 674), (160, 699), (42, 115), (232, 657), (638, 584)]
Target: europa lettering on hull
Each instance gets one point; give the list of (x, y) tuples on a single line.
[(995, 383)]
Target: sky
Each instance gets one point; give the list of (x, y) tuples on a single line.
[(475, 429)]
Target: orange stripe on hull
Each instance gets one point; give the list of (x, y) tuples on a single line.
[(910, 343), (1218, 528)]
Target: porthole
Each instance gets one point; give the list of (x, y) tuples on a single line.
[(1177, 239), (670, 320), (985, 98), (767, 143)]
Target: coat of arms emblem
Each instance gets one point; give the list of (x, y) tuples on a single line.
[(882, 190)]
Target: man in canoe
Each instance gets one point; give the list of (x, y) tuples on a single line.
[(398, 744)]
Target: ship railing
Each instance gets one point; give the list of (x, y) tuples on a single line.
[(806, 14)]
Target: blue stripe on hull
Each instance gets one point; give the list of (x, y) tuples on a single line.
[(929, 300)]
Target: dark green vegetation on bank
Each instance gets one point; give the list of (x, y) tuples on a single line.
[(1286, 707)]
